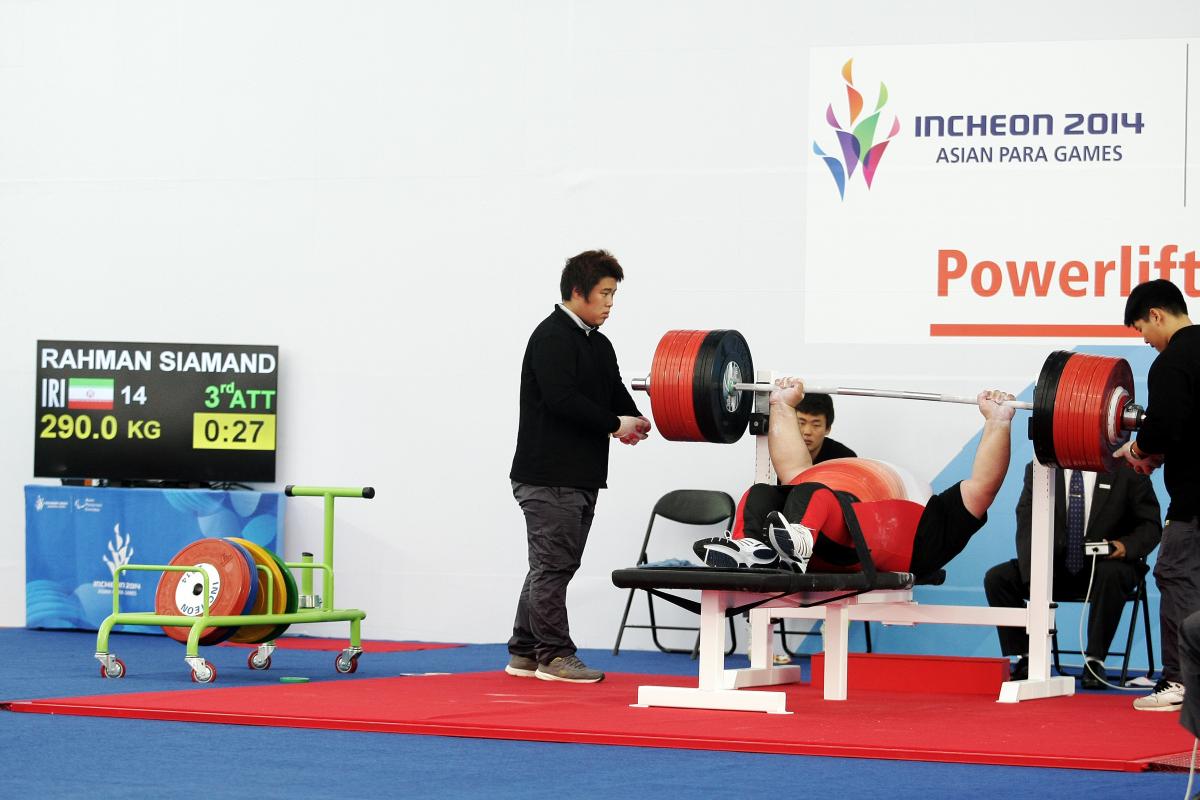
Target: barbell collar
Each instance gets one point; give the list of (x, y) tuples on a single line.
[(1132, 417)]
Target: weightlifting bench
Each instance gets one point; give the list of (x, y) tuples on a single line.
[(837, 599)]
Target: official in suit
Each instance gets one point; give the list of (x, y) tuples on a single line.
[(1118, 507)]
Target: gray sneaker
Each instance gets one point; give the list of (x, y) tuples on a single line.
[(1167, 696), (521, 666), (570, 669)]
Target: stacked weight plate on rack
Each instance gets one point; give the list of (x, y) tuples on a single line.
[(235, 588)]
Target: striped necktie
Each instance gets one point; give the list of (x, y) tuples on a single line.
[(1075, 558)]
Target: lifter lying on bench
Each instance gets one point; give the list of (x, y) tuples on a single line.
[(810, 519), (837, 541)]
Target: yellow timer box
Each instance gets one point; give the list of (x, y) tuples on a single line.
[(233, 431)]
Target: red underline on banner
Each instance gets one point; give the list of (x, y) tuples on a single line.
[(1073, 331)]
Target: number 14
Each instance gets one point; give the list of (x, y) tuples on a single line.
[(138, 397)]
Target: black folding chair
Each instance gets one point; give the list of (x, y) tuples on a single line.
[(689, 507), (1138, 598)]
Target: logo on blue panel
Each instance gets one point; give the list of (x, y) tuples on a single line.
[(121, 550)]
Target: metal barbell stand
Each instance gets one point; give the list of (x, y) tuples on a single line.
[(1040, 609)]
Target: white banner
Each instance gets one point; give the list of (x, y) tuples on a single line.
[(996, 190)]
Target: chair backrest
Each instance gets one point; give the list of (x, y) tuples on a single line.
[(695, 506)]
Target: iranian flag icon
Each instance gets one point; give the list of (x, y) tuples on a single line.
[(94, 393)]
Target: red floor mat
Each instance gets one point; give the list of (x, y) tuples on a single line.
[(1083, 732), (317, 643)]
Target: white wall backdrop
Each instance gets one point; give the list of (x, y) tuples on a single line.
[(387, 190)]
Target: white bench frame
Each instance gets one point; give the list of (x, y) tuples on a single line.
[(718, 687)]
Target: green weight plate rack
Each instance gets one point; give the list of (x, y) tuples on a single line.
[(311, 607)]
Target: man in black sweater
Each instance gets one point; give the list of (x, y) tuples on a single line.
[(572, 402), (1170, 434), (815, 415)]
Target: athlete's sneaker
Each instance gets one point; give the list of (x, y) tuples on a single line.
[(791, 540), (521, 666), (569, 669), (720, 551), (1167, 696)]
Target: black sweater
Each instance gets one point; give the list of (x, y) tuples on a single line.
[(571, 395), (1172, 424), (831, 449)]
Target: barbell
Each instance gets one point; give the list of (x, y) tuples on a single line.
[(700, 387)]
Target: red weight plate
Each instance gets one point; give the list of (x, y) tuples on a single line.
[(1091, 414), (678, 410), (231, 586), (687, 374), (1084, 413), (1069, 400), (659, 389), (671, 385), (670, 394), (1084, 437), (1062, 411), (1068, 406), (1086, 408), (670, 376)]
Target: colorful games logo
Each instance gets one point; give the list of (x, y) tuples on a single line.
[(856, 138)]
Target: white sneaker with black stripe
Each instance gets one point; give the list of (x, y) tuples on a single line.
[(791, 540), (726, 553), (1167, 696)]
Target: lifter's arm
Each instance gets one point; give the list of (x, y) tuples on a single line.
[(789, 453), (991, 457)]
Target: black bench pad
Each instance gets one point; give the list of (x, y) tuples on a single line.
[(755, 580)]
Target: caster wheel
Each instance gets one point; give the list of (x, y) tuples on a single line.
[(346, 666), (206, 674), (253, 661), (115, 669)]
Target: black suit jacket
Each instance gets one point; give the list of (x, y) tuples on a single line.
[(1124, 507)]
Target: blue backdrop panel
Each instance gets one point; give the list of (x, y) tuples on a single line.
[(76, 536)]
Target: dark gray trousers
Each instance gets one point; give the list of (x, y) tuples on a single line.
[(1177, 574), (1114, 580), (557, 521), (1189, 666)]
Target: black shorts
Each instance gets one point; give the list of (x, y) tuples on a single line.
[(944, 530)]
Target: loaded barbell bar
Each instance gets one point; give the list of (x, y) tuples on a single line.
[(643, 385), (1082, 405)]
